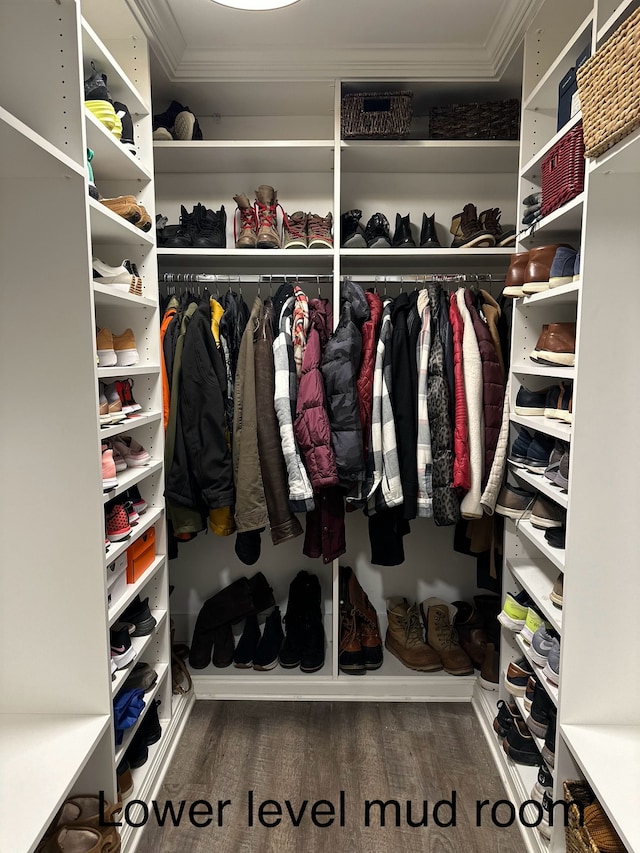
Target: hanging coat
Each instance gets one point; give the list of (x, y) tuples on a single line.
[(364, 382), (472, 369), (405, 397), (461, 464)]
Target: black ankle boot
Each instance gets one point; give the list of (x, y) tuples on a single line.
[(428, 236), (402, 237), (268, 651), (294, 622), (312, 649), (230, 605), (247, 644), (222, 646)]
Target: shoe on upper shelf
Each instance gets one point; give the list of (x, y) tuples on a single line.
[(532, 622), (546, 514), (139, 504), (131, 451), (552, 667), (266, 205), (294, 227), (117, 525), (402, 236), (319, 231), (556, 536), (562, 474), (489, 220), (248, 237), (514, 280), (556, 592), (556, 345), (541, 643), (110, 405), (514, 611), (467, 231), (93, 190), (105, 348), (558, 403), (530, 403), (520, 745), (541, 711), (125, 206), (554, 461), (562, 267), (428, 235), (538, 269), (517, 676), (539, 452), (124, 389), (549, 748), (506, 717), (120, 278), (126, 136), (514, 502), (352, 231), (139, 614), (124, 346), (176, 122), (109, 479), (377, 234), (576, 268), (211, 228)]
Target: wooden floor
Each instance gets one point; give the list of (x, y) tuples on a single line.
[(312, 751)]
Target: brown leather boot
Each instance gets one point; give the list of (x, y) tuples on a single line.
[(490, 671), (556, 345), (538, 269), (471, 633), (514, 280), (295, 230), (404, 637), (350, 658), (438, 617), (248, 236), (267, 201), (466, 230), (366, 622)]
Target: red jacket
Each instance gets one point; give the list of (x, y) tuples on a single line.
[(311, 428), (461, 464), (364, 382)]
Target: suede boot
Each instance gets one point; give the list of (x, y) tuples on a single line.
[(438, 616), (231, 604)]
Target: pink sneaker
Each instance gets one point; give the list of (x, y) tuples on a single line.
[(117, 525), (109, 479), (131, 451)]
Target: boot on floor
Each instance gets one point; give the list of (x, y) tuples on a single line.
[(438, 617), (367, 623), (404, 637)]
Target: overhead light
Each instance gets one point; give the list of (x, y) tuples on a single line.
[(256, 5)]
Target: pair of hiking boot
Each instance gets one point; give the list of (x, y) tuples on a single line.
[(202, 228)]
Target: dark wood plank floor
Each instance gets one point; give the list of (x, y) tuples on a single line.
[(314, 750)]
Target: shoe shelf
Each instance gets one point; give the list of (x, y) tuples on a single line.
[(132, 370), (551, 689), (120, 87), (518, 779), (428, 155), (539, 483), (536, 578), (556, 371), (536, 537), (105, 296), (42, 757), (602, 752), (140, 644), (163, 670), (544, 96), (108, 227), (131, 477), (142, 419), (532, 170), (26, 154), (623, 158), (549, 426), (555, 226), (133, 589), (565, 294), (146, 778), (111, 157), (539, 741), (244, 156)]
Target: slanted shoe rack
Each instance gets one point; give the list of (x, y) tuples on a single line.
[(598, 699), (56, 728)]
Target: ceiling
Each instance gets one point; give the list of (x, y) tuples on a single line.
[(199, 40)]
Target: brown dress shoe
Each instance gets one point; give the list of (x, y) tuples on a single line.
[(556, 345), (538, 269), (515, 275)]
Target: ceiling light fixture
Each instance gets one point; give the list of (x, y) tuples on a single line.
[(256, 5)]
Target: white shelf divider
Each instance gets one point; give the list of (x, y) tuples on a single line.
[(549, 426)]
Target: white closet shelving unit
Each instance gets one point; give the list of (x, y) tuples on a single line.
[(56, 719), (598, 703), (292, 142)]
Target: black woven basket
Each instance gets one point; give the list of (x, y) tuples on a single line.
[(488, 120), (376, 115)]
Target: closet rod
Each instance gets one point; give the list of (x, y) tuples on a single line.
[(203, 278), (442, 278)]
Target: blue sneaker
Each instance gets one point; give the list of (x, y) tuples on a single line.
[(538, 453), (520, 447), (530, 403), (562, 266), (576, 268)]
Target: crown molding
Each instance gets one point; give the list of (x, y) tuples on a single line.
[(161, 28), (511, 25)]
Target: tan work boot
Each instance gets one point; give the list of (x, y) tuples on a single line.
[(404, 637), (248, 223), (267, 201), (367, 623), (125, 206), (295, 230), (319, 231), (438, 617)]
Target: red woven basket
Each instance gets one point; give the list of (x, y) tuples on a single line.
[(563, 171)]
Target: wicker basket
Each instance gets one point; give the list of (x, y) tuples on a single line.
[(376, 115), (489, 120), (609, 89), (563, 171), (596, 837)]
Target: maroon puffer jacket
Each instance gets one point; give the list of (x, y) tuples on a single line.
[(364, 382), (492, 387), (461, 464), (311, 427)]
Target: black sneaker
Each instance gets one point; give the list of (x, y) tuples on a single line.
[(266, 655), (126, 138), (538, 452), (211, 228), (247, 644), (520, 447), (351, 231), (95, 86), (377, 232), (182, 237), (185, 126), (556, 536), (142, 677), (122, 652), (505, 718), (544, 783), (150, 730), (313, 639), (167, 119), (294, 622), (137, 753), (520, 745), (139, 614), (542, 708), (549, 748)]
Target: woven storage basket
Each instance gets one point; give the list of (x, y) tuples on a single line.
[(563, 171), (578, 836), (609, 89), (489, 120), (376, 115)]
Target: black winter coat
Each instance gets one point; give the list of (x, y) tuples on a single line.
[(339, 367), (405, 397)]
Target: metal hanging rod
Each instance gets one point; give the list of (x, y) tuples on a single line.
[(271, 278), (443, 278)]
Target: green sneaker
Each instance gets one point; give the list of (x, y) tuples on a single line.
[(532, 622), (514, 611), (93, 190)]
